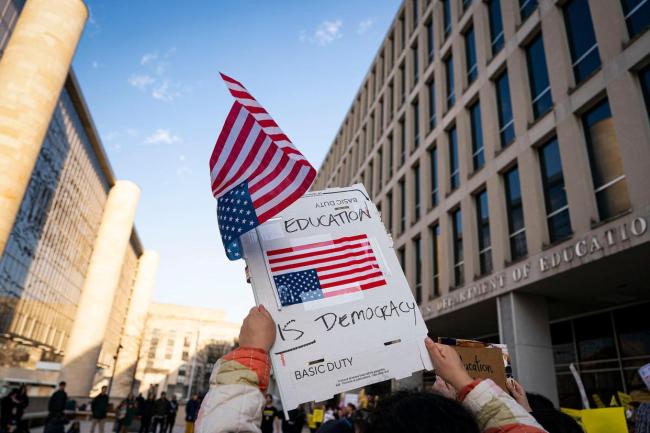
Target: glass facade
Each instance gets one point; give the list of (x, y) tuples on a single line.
[(515, 209), (582, 40), (557, 207), (540, 88)]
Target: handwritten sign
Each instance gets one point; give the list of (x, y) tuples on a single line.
[(326, 270), (483, 363)]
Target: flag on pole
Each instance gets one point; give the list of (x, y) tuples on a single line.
[(255, 170)]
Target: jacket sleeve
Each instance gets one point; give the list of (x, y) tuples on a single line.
[(234, 401), (495, 411)]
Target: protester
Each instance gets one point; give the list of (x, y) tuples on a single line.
[(7, 405), (234, 401), (146, 412), (127, 412), (191, 412), (269, 415), (139, 402), (296, 421), (55, 407), (21, 401), (161, 410), (99, 409), (171, 414)]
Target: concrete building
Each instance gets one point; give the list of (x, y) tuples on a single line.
[(180, 346), (71, 261), (508, 144)]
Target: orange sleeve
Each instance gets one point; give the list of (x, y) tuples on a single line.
[(467, 389), (256, 360)]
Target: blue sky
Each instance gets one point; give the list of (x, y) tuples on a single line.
[(149, 72)]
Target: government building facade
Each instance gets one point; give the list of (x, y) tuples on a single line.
[(75, 280), (507, 146)]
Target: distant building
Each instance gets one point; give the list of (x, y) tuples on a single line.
[(180, 346), (507, 145)]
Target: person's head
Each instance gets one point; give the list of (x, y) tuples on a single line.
[(173, 397), (555, 421), (151, 396), (104, 390), (22, 390), (349, 409), (195, 397), (420, 412), (62, 385), (163, 395), (538, 401), (269, 399)]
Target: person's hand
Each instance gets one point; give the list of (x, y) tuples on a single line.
[(518, 393), (258, 330), (447, 364), (443, 388)]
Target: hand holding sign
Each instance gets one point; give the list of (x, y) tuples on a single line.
[(258, 330), (448, 365)]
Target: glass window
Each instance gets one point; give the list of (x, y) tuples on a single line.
[(435, 263), (607, 171), (402, 131), (483, 225), (401, 256), (454, 171), (514, 206), (433, 160), (506, 122), (470, 55), (557, 208), (389, 198), (380, 167), (402, 82), (526, 8), (644, 77), (633, 334), (417, 246), (595, 337), (582, 40), (446, 16), (457, 233), (562, 340), (416, 193), (637, 15), (414, 11), (402, 204), (466, 4), (416, 65), (540, 88), (430, 41), (391, 153), (402, 27), (449, 77), (432, 105), (478, 156), (496, 26), (416, 124)]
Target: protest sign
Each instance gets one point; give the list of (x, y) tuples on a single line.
[(483, 363), (326, 270), (644, 372), (604, 420)]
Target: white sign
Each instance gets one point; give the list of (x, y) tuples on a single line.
[(644, 372), (326, 270)]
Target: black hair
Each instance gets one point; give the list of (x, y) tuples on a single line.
[(539, 402), (555, 421), (421, 412)]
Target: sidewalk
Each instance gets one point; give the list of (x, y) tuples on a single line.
[(108, 428)]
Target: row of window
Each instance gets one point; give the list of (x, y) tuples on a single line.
[(609, 185), (584, 55)]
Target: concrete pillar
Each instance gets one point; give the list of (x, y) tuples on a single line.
[(524, 327), (136, 316), (32, 72), (102, 278)]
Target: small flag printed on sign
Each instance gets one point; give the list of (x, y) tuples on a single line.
[(320, 270)]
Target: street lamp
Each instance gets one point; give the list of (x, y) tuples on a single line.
[(110, 381)]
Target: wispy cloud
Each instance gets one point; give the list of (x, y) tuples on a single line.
[(162, 136), (365, 25), (183, 169), (326, 33), (155, 79), (148, 58), (141, 82)]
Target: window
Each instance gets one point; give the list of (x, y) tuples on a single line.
[(389, 198), (470, 55), (416, 65), (432, 105), (371, 133), (430, 41), (380, 117), (514, 206), (402, 131), (496, 26), (402, 201), (466, 4), (414, 10), (446, 16), (185, 357), (454, 171), (380, 167), (402, 27), (391, 153), (540, 88), (644, 78), (416, 124), (449, 77), (401, 256), (457, 233), (478, 156), (483, 224), (506, 122), (433, 160), (557, 208), (370, 184), (582, 40), (417, 246), (637, 15), (526, 8), (402, 75), (416, 193), (606, 165), (435, 261)]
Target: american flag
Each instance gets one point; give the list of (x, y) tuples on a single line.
[(321, 270), (256, 171)]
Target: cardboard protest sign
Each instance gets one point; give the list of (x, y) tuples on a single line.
[(326, 270), (483, 363)]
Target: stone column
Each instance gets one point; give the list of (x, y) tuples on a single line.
[(32, 72), (102, 278), (143, 288), (524, 327)]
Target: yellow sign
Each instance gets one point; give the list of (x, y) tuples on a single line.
[(604, 420), (310, 421), (318, 415), (624, 398), (596, 398)]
